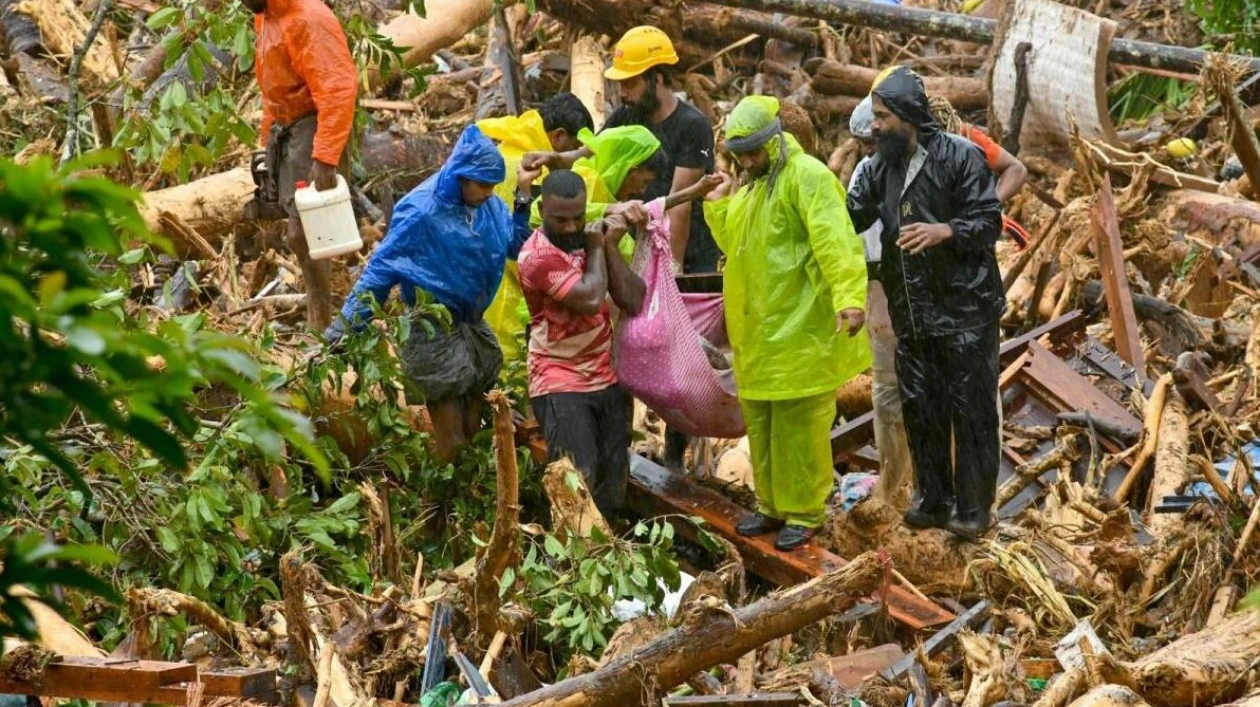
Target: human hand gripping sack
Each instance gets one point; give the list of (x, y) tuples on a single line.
[(633, 212), (851, 320), (722, 189), (918, 237)]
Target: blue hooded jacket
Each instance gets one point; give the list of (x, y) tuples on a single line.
[(436, 243)]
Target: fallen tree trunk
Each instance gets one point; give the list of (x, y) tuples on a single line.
[(947, 25), (1172, 465), (573, 509), (1218, 218), (838, 79), (445, 22), (212, 205), (1109, 696), (586, 77), (63, 28), (1204, 668), (709, 638), (502, 552)]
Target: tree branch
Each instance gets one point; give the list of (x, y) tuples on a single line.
[(69, 148)]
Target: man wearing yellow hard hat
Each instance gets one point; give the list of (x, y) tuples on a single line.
[(641, 67)]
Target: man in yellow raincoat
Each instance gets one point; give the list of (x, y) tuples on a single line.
[(554, 127), (794, 289)]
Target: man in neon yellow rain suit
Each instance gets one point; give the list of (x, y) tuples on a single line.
[(554, 127), (794, 289), (617, 165)]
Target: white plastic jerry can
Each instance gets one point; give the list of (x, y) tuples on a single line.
[(328, 220)]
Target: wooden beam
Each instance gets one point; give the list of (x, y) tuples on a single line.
[(1124, 325), (1054, 382), (105, 680), (115, 680), (654, 491)]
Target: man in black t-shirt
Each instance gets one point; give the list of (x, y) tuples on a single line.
[(639, 67)]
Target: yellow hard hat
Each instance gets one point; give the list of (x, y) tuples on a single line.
[(639, 50)]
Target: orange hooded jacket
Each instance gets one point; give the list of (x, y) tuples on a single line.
[(304, 66)]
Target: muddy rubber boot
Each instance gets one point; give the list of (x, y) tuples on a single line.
[(756, 524), (971, 527), (792, 537), (924, 515)]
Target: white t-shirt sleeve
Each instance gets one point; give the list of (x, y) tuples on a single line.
[(870, 237)]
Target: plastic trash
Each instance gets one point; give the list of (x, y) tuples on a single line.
[(443, 695), (854, 487), (328, 220), (629, 609)]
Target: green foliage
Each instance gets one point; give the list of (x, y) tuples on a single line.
[(88, 389), (1138, 96), (571, 585), (1251, 602), (1240, 18), (191, 125), (184, 129), (33, 561)]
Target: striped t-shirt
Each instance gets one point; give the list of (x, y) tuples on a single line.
[(568, 352)]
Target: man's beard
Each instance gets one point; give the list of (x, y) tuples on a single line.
[(893, 146), (568, 242), (641, 110)]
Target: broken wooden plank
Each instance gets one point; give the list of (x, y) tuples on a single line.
[(761, 699), (257, 684), (1054, 382), (1107, 362), (654, 491), (860, 431), (856, 668), (939, 640), (105, 680), (1106, 228), (383, 104)]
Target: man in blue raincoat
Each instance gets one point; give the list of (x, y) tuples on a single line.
[(449, 237)]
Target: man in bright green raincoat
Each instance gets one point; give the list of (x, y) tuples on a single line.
[(794, 290), (617, 165)]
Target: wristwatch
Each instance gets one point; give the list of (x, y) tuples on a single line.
[(523, 201)]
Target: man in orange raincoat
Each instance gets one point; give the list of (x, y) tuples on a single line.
[(308, 83)]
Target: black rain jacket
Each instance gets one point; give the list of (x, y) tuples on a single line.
[(953, 286)]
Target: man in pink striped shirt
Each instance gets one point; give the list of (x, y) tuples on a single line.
[(569, 270)]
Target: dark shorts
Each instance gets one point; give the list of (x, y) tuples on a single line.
[(592, 429), (449, 365), (289, 151)]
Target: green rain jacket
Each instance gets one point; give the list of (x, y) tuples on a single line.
[(792, 262), (616, 152)]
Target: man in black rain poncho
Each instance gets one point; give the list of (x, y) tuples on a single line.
[(941, 215)]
